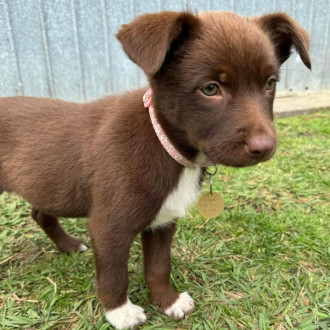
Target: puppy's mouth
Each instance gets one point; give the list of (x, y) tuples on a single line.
[(240, 154)]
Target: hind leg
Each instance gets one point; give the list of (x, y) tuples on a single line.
[(54, 231)]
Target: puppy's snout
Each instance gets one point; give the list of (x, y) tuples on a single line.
[(260, 146)]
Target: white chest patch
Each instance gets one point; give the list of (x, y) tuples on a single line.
[(179, 200)]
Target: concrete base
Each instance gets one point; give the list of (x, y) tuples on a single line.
[(288, 105)]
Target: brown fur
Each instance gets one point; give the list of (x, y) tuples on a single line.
[(103, 160)]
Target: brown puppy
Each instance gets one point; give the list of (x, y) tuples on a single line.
[(213, 78)]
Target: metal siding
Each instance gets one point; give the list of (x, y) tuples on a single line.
[(123, 72), (244, 7), (62, 42), (325, 79), (321, 10), (27, 38), (260, 7), (222, 5), (68, 49), (298, 76), (196, 5), (172, 5), (10, 83), (93, 47)]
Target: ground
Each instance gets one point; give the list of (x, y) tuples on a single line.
[(262, 264)]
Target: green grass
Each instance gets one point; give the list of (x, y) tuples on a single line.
[(262, 264)]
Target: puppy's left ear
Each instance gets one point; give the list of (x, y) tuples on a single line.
[(148, 38), (284, 32)]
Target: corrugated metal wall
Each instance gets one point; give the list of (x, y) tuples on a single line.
[(67, 48)]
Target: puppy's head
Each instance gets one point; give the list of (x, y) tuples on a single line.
[(214, 77)]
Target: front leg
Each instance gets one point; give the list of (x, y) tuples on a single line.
[(157, 269), (111, 248)]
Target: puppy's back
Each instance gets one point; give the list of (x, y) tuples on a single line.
[(41, 144)]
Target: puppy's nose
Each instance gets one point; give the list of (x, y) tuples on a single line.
[(260, 146)]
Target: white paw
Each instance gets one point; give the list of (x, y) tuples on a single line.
[(83, 247), (126, 316), (184, 305)]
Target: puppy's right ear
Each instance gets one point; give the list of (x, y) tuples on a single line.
[(149, 37), (284, 32)]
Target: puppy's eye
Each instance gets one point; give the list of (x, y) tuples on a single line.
[(270, 84), (210, 90)]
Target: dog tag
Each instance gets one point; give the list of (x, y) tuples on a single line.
[(210, 206)]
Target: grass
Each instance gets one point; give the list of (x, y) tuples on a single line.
[(262, 264)]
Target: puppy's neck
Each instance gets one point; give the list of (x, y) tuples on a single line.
[(172, 137), (178, 137)]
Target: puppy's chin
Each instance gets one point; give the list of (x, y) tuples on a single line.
[(233, 159)]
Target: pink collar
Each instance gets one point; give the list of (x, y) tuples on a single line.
[(164, 140)]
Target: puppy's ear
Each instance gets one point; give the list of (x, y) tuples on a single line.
[(149, 37), (284, 32)]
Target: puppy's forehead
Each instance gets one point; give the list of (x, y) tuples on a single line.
[(232, 30), (235, 43)]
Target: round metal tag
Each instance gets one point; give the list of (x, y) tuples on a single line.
[(210, 206)]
